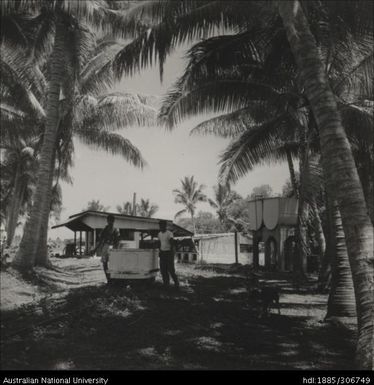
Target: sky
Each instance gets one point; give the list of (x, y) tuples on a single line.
[(170, 156)]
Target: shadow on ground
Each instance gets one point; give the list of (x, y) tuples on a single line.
[(208, 324)]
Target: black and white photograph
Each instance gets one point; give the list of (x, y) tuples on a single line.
[(186, 186)]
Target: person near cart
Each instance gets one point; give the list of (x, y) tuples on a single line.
[(109, 237), (166, 255)]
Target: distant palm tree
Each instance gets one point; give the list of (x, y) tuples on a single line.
[(189, 195), (223, 198), (96, 205), (146, 208), (126, 208)]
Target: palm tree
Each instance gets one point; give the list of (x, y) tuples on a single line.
[(223, 198), (189, 195), (96, 205), (146, 208), (126, 208)]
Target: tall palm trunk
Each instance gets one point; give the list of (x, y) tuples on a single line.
[(324, 279), (341, 302), (340, 171), (193, 223), (42, 257), (300, 264), (15, 205), (26, 256), (318, 229)]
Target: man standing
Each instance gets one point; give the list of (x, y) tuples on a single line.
[(108, 237), (167, 251)]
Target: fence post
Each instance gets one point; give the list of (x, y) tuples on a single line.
[(236, 248)]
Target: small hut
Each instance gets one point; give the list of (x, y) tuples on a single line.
[(134, 231)]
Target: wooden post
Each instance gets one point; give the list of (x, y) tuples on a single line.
[(87, 246), (75, 242), (134, 205), (94, 237), (236, 247), (255, 249), (80, 243)]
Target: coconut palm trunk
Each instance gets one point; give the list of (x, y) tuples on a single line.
[(42, 257), (341, 302), (193, 223), (318, 230), (324, 278), (340, 171), (300, 262), (26, 256), (15, 205)]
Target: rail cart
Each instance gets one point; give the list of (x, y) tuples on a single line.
[(129, 263)]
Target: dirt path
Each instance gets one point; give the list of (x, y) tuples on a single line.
[(207, 325)]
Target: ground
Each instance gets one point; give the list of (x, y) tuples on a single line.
[(75, 321)]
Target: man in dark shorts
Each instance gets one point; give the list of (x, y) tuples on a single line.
[(167, 251)]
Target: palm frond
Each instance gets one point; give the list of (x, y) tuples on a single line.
[(358, 122), (355, 17), (114, 111), (227, 125), (357, 79), (112, 143), (13, 31), (180, 25), (10, 113), (212, 203), (16, 129), (97, 74), (265, 143), (216, 96), (18, 79), (179, 213), (218, 54)]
